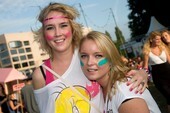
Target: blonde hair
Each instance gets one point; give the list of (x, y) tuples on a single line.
[(70, 12), (117, 66), (147, 45)]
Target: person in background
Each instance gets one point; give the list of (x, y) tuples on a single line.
[(3, 100), (28, 98), (157, 56), (59, 36), (14, 104), (101, 62), (166, 37)]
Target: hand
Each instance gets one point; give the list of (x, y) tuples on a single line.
[(139, 79)]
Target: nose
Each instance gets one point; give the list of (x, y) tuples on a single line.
[(91, 61), (57, 32)]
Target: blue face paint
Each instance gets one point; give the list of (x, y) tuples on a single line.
[(102, 62), (82, 64)]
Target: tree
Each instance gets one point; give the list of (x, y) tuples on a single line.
[(141, 12)]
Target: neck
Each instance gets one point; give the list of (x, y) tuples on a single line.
[(63, 56)]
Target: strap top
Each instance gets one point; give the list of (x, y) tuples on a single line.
[(47, 76)]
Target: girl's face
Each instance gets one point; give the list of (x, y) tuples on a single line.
[(156, 41), (57, 31), (166, 37), (94, 64)]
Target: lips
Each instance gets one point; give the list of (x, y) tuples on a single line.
[(91, 70)]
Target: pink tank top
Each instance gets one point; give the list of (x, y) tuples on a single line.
[(49, 75)]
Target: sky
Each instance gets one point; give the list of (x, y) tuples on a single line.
[(21, 15)]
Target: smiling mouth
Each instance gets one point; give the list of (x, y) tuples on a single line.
[(91, 70), (59, 40)]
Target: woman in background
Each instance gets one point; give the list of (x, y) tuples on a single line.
[(156, 55), (3, 100)]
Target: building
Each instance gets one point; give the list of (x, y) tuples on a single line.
[(20, 51)]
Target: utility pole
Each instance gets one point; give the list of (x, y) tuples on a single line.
[(119, 36), (83, 15), (113, 17)]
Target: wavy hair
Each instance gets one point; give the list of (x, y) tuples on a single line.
[(147, 45), (117, 67), (71, 13)]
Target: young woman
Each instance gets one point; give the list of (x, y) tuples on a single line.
[(156, 55), (59, 36), (101, 62), (3, 100)]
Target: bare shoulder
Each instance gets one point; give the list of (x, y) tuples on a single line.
[(38, 79), (135, 105)]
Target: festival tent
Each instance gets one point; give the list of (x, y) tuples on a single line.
[(10, 78), (10, 74), (155, 25)]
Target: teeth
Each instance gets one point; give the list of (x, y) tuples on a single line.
[(60, 40), (91, 70)]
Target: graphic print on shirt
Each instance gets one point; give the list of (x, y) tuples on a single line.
[(69, 101)]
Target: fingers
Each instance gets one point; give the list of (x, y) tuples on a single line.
[(138, 80)]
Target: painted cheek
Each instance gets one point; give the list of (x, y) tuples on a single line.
[(68, 34), (82, 64), (48, 37), (102, 62)]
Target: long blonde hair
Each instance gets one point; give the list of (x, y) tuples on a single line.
[(117, 67), (68, 11), (147, 45)]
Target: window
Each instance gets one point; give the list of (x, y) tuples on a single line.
[(4, 54), (21, 50), (31, 63), (17, 66), (15, 59), (28, 49), (23, 57), (25, 64), (29, 56), (13, 52), (3, 47), (6, 61), (26, 43), (15, 44)]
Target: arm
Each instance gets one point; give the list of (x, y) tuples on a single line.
[(12, 106), (38, 79), (139, 77), (135, 105), (168, 55)]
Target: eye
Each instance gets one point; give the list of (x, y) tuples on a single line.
[(49, 28), (82, 56), (64, 25), (99, 56)]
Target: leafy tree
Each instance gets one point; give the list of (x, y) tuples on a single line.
[(141, 12)]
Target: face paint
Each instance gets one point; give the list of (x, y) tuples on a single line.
[(54, 17), (68, 34), (102, 62), (48, 37), (82, 64)]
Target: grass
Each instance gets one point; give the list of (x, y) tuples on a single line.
[(160, 100)]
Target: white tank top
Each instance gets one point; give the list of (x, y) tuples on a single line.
[(154, 59)]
